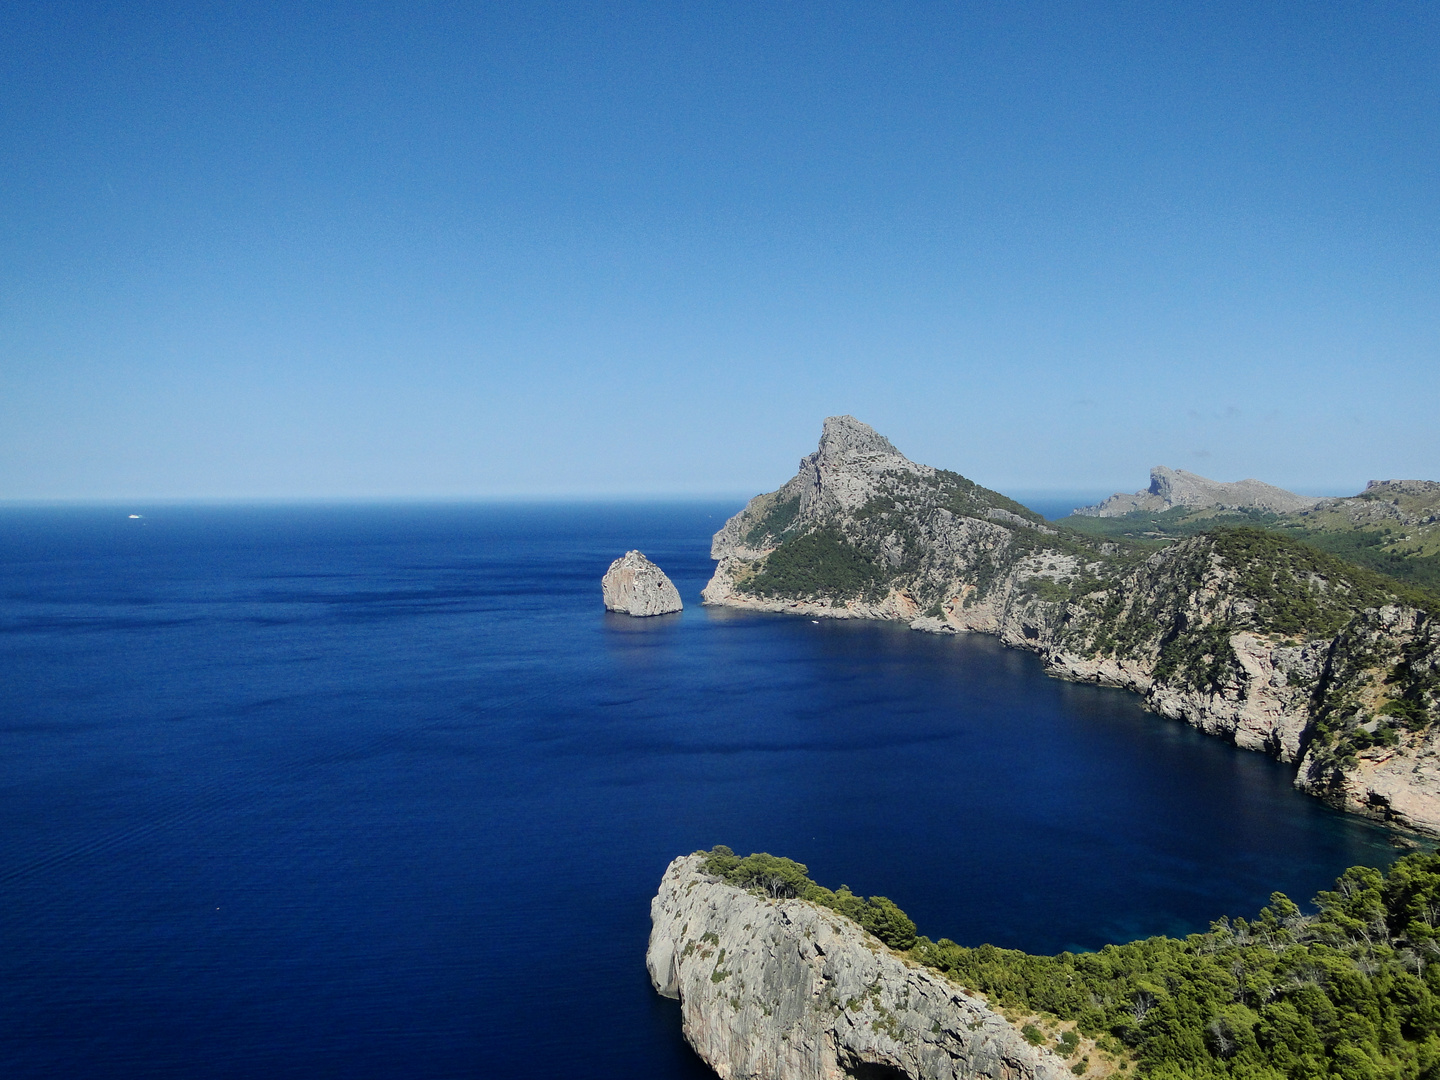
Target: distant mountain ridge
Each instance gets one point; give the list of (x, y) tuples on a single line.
[(1393, 526), (1243, 632), (1170, 488)]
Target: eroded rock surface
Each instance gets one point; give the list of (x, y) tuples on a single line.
[(636, 586), (786, 990), (1375, 750)]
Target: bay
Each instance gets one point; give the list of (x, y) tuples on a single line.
[(382, 790)]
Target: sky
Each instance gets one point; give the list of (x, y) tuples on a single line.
[(445, 250)]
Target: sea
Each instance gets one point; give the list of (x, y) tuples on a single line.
[(382, 791)]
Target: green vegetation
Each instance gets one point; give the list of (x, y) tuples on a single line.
[(776, 520), (1350, 993), (820, 563), (1279, 572), (1371, 548), (962, 496), (1247, 579), (1383, 548), (781, 878), (1154, 530)]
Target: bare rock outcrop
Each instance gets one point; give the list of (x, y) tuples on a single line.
[(1375, 749), (1170, 488), (636, 586), (787, 990)]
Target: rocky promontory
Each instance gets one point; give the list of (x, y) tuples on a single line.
[(788, 990), (636, 586), (1245, 633), (1170, 488)]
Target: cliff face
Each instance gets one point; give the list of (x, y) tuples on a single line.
[(1240, 633), (1373, 750), (786, 990)]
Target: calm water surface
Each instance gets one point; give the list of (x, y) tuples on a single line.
[(384, 792)]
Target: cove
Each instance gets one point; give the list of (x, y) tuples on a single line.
[(371, 791)]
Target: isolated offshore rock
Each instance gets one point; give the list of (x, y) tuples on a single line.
[(635, 586), (786, 990)]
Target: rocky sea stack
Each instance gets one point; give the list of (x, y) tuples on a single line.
[(788, 990), (636, 586)]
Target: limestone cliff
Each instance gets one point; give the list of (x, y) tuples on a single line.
[(636, 586), (786, 990), (1239, 632), (1170, 488), (1373, 749)]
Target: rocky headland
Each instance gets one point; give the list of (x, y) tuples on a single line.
[(783, 989), (1244, 633), (1170, 488), (636, 586)]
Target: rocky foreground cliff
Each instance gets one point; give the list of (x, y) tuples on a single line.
[(1243, 633), (787, 990)]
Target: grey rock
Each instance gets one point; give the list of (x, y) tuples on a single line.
[(1397, 782), (787, 990), (636, 586), (1170, 488)]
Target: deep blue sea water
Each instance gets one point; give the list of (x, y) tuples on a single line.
[(383, 791)]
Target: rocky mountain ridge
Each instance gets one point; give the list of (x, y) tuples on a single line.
[(787, 990), (1244, 634), (1170, 488)]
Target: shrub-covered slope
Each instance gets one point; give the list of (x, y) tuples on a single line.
[(1392, 527)]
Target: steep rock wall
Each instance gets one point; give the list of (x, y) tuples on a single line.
[(786, 990)]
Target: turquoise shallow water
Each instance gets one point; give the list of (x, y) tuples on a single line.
[(383, 791)]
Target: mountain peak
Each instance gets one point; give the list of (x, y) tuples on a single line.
[(845, 439)]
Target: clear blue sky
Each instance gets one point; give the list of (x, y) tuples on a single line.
[(481, 249)]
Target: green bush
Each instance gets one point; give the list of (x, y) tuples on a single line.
[(820, 563), (777, 519), (781, 878), (1285, 995)]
